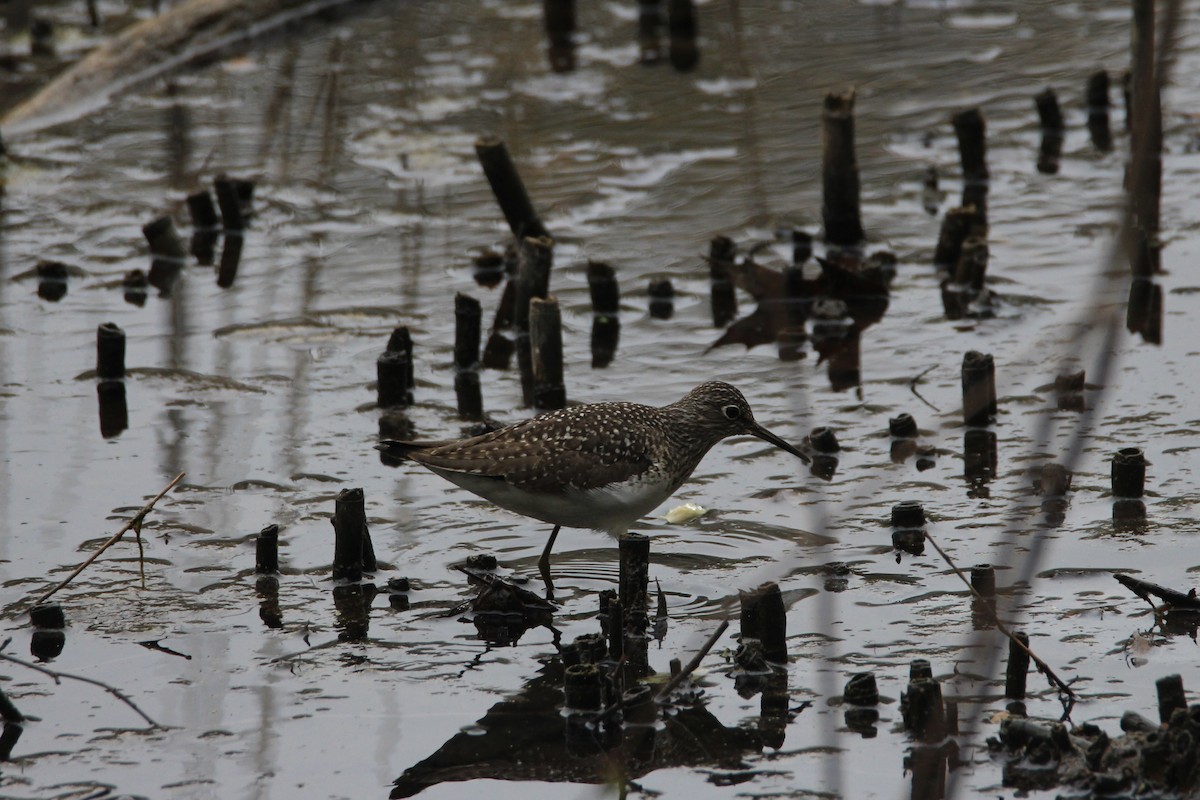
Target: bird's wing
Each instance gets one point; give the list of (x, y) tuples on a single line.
[(527, 460)]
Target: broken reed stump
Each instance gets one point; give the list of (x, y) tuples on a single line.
[(721, 254), (589, 648), (1098, 124), (983, 598), (903, 426), (535, 258), (615, 628), (1143, 314), (353, 551), (824, 440), (1129, 473), (546, 353), (110, 351), (560, 25), (1018, 667), (971, 269), (983, 580), (971, 130), (860, 698), (1054, 480), (1053, 131), (921, 707), (634, 579), (1171, 696), (534, 261), (468, 395), (497, 353), (957, 225), (204, 245), (606, 301), (266, 550), (903, 431), (979, 389), (229, 200), (231, 257), (861, 689), (662, 298), (683, 52), (508, 188), (47, 615), (468, 331), (134, 283), (840, 208), (908, 527), (908, 514), (202, 211), (164, 240), (582, 688), (394, 370), (638, 706), (764, 617), (650, 22)]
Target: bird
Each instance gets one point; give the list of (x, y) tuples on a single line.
[(597, 465)]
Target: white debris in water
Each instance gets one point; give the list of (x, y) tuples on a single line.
[(685, 513)]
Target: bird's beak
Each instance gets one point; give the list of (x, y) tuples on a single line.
[(767, 436)]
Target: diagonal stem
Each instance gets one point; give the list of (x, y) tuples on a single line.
[(694, 663), (1042, 666), (136, 522)]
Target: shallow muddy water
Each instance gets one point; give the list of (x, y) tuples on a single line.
[(370, 204)]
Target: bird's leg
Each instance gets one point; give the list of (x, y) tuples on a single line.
[(544, 562)]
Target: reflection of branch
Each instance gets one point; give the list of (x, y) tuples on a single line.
[(694, 663), (58, 676), (912, 385), (1042, 666), (135, 524)]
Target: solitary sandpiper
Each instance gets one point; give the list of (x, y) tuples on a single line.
[(600, 465)]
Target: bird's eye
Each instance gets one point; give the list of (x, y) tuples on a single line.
[(731, 412)]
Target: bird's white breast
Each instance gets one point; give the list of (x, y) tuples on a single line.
[(609, 508)]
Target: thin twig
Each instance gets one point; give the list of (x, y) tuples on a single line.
[(1042, 666), (912, 386), (58, 676), (116, 537), (694, 663)]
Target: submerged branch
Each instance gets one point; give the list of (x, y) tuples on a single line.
[(1044, 668), (58, 677), (671, 685), (135, 524)]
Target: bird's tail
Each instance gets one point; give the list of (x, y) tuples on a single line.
[(403, 450)]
